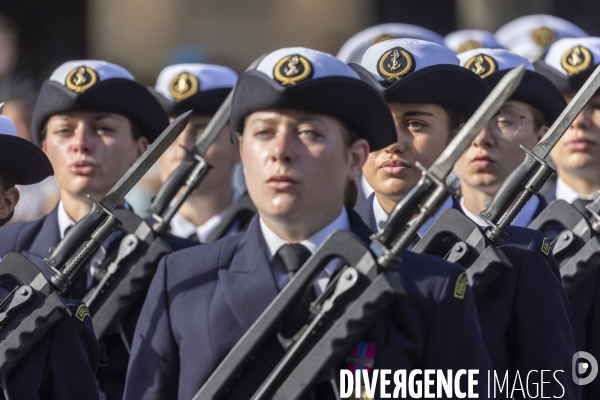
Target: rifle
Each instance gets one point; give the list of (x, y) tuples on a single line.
[(190, 173), (577, 248), (127, 278), (35, 305), (476, 248), (355, 298)]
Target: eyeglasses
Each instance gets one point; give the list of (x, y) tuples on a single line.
[(506, 125)]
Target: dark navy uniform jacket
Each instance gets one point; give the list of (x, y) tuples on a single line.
[(524, 314), (585, 311), (60, 366), (33, 240), (204, 298)]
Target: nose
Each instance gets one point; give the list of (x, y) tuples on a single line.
[(484, 138), (401, 144), (283, 146), (82, 139), (583, 119)]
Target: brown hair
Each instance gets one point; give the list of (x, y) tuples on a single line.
[(538, 117)]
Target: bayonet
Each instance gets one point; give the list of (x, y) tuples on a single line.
[(190, 173), (529, 177), (432, 186), (81, 241)]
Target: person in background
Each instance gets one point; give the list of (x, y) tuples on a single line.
[(201, 88)]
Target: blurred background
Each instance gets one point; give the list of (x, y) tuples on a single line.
[(146, 35)]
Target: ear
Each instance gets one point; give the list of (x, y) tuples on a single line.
[(357, 156), (8, 202), (141, 145), (44, 146), (540, 134)]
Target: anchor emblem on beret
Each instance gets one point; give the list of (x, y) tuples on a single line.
[(482, 64), (184, 85), (576, 60), (292, 69), (80, 79), (395, 63)]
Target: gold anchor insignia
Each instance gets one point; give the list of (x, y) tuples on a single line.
[(576, 60), (483, 65), (183, 85), (395, 63), (543, 36), (469, 45), (80, 79), (292, 69)]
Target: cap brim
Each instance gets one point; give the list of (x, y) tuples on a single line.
[(24, 160), (444, 84), (537, 91), (117, 95), (349, 100)]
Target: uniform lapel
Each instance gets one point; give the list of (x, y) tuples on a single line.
[(47, 237), (248, 283), (365, 211)]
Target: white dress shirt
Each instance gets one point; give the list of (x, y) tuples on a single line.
[(523, 218), (274, 243), (183, 227), (382, 216), (568, 194)]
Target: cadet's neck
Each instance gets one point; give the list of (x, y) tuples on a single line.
[(200, 207), (582, 181), (474, 199), (297, 228), (77, 206)]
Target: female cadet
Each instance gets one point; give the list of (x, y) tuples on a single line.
[(524, 312), (522, 121), (93, 121), (62, 365), (201, 88), (304, 122)]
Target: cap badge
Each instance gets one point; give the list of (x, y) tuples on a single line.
[(576, 60), (292, 69), (482, 64), (395, 63), (183, 86), (383, 38), (81, 79), (469, 45), (543, 36)]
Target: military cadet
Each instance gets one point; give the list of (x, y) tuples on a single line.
[(522, 120), (576, 156), (353, 49), (304, 122), (202, 88), (469, 39), (63, 363), (531, 36), (93, 121), (524, 312)]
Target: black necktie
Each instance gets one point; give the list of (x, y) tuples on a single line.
[(293, 256), (580, 204)]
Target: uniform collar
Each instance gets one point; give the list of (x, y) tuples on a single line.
[(523, 218), (382, 216), (183, 227), (567, 193), (274, 242)]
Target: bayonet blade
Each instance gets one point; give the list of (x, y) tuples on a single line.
[(220, 119), (145, 162), (566, 118), (486, 111)]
